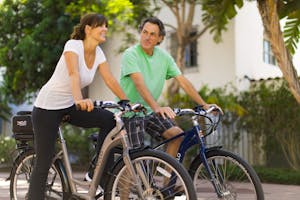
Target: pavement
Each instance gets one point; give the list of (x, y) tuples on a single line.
[(272, 191)]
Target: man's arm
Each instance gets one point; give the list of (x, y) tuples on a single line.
[(190, 90), (141, 87)]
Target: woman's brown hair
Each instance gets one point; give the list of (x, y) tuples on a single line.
[(92, 20)]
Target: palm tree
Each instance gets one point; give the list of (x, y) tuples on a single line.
[(269, 11)]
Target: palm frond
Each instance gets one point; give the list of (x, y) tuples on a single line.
[(292, 33), (216, 15)]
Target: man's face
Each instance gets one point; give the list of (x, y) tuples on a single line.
[(150, 37)]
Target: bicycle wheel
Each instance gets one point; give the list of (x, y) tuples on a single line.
[(20, 175), (234, 177), (159, 177)]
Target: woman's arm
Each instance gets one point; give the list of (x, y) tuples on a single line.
[(72, 65), (110, 81)]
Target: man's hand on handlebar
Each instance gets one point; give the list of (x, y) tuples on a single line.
[(212, 107), (165, 112)]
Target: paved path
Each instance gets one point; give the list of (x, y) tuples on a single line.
[(272, 191)]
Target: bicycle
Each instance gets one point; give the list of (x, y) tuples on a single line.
[(143, 172), (216, 173)]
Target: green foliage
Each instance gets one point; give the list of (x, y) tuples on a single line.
[(273, 113), (216, 14), (224, 97), (7, 146), (79, 145), (4, 108), (30, 44), (292, 34), (278, 175), (290, 9)]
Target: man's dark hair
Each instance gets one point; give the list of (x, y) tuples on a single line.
[(154, 20)]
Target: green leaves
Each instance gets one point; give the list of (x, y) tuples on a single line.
[(216, 14), (292, 34), (289, 10), (30, 44)]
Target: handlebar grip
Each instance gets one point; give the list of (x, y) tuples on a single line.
[(212, 108)]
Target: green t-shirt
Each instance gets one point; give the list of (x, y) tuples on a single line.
[(155, 70)]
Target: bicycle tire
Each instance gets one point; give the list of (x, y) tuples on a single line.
[(235, 178), (153, 164), (20, 176)]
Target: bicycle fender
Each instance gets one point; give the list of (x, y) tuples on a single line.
[(213, 148), (120, 159), (206, 151), (63, 174), (16, 160)]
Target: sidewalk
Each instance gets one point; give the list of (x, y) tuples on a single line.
[(272, 191), (281, 192)]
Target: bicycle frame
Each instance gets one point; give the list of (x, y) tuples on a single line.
[(193, 137), (117, 136)]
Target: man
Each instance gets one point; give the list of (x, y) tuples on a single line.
[(144, 69)]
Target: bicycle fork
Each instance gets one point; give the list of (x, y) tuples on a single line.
[(213, 179), (129, 165)]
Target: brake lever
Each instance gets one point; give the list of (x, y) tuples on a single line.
[(124, 103)]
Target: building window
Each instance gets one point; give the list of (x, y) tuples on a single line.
[(190, 52), (268, 55)]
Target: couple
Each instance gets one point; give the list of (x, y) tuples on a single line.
[(144, 69)]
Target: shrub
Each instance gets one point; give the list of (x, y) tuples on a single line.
[(7, 146), (278, 175)]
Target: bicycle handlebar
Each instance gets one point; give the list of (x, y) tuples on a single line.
[(199, 110), (122, 105)]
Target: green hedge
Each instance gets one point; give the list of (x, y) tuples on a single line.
[(278, 175)]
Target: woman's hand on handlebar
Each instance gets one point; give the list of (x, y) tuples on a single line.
[(85, 104)]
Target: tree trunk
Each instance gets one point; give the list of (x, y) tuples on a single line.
[(174, 87), (270, 19)]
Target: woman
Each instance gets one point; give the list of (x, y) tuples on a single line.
[(80, 60)]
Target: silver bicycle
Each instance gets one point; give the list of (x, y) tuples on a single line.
[(139, 173)]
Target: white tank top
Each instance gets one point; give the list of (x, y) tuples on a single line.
[(57, 93)]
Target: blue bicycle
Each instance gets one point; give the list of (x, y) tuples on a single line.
[(216, 173)]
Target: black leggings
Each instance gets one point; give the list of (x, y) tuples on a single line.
[(46, 124)]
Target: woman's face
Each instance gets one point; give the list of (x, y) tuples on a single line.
[(98, 33)]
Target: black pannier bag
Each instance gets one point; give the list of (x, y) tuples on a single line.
[(22, 126)]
